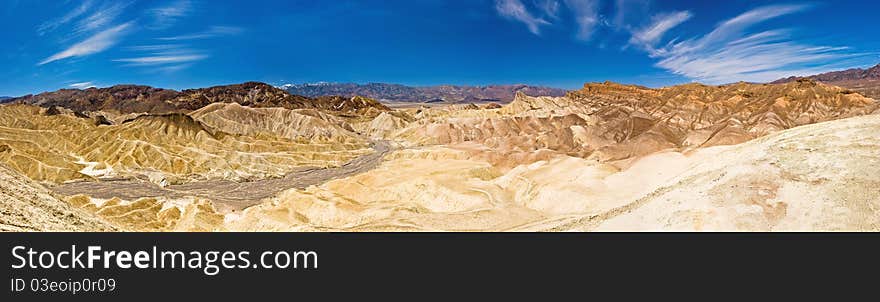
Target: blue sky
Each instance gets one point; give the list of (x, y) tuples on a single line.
[(563, 43)]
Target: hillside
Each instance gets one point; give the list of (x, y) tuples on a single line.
[(173, 147), (27, 206), (818, 177), (608, 156), (609, 121), (864, 81)]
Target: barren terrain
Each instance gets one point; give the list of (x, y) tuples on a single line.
[(227, 195), (800, 155)]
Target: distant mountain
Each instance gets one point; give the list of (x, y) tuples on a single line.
[(402, 93), (138, 99), (864, 81), (3, 99)]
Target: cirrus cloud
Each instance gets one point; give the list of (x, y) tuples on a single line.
[(730, 52), (165, 16), (648, 36), (79, 10), (516, 10), (104, 16), (162, 59), (83, 85), (94, 44), (586, 15), (212, 32)]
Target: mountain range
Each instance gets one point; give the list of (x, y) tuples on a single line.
[(864, 81), (426, 94), (146, 99)]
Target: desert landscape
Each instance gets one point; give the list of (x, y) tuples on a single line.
[(797, 155), (439, 116)]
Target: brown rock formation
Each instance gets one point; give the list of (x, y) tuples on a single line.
[(864, 81), (145, 99)]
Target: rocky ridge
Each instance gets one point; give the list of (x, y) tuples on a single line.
[(611, 122), (442, 93), (864, 81), (126, 99)]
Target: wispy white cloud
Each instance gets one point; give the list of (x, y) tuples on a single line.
[(162, 59), (171, 68), (550, 8), (586, 14), (156, 47), (516, 10), (82, 85), (731, 53), (648, 36), (213, 31), (79, 10), (94, 44), (165, 16), (102, 17), (629, 12)]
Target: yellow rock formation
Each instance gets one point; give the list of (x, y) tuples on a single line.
[(27, 206), (815, 177), (63, 147), (795, 156)]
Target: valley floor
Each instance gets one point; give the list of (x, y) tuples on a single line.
[(226, 195)]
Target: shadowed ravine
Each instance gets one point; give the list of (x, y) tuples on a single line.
[(226, 194)]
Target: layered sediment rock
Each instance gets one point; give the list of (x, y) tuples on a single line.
[(59, 148), (814, 177), (27, 206), (793, 156)]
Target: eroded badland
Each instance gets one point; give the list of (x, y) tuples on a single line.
[(801, 155)]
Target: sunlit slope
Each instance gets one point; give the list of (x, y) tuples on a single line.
[(27, 206), (152, 214), (304, 125), (815, 177), (62, 147), (613, 122), (130, 99), (732, 157)]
